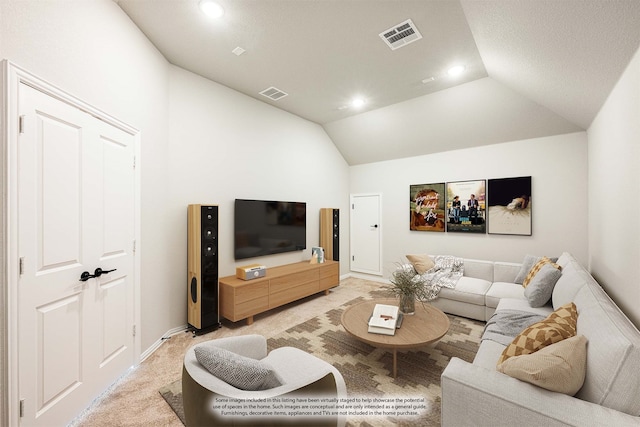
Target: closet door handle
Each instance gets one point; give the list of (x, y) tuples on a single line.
[(99, 272), (86, 276)]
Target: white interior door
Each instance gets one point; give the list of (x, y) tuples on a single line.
[(366, 229), (76, 213)]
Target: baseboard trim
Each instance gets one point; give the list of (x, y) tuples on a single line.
[(368, 277), (148, 352)]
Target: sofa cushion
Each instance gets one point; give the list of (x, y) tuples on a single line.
[(573, 278), (480, 269), (613, 356), (505, 271), (468, 289), (522, 304), (421, 263), (540, 288), (559, 367), (488, 354), (500, 290), (559, 325), (564, 259), (241, 372)]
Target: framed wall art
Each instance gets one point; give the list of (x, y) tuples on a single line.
[(426, 205), (509, 201), (466, 207)]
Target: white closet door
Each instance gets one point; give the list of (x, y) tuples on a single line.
[(366, 237), (76, 214)]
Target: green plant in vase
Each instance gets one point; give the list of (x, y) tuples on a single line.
[(409, 287)]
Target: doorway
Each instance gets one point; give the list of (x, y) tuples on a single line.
[(72, 269)]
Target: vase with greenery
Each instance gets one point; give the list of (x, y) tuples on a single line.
[(409, 287)]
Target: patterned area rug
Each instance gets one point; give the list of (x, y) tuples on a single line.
[(367, 370)]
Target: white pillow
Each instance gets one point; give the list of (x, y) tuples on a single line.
[(241, 372)]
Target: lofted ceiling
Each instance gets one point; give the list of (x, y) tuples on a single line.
[(533, 67)]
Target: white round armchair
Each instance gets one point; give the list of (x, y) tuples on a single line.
[(298, 374)]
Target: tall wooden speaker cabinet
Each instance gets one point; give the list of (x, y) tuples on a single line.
[(330, 233), (202, 260)]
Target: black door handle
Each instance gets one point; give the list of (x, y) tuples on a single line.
[(86, 276), (99, 272), (374, 225)]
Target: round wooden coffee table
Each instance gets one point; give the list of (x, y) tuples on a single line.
[(427, 325)]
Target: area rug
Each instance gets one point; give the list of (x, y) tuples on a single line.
[(367, 370)]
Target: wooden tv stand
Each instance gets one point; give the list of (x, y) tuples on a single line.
[(242, 299)]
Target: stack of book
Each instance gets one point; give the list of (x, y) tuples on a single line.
[(384, 319)]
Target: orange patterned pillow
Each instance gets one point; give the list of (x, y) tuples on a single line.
[(559, 325), (536, 267)]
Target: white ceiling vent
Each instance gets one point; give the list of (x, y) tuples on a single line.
[(401, 35), (273, 93)]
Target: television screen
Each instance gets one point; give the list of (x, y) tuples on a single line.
[(264, 227)]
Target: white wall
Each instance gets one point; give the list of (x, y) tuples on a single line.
[(614, 193), (556, 164), (225, 145), (92, 50)]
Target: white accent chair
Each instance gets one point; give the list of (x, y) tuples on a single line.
[(302, 374)]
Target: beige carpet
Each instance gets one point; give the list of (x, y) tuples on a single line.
[(135, 400)]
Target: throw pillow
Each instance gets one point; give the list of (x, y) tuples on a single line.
[(536, 268), (527, 263), (540, 289), (241, 372), (422, 263), (560, 367), (559, 325)]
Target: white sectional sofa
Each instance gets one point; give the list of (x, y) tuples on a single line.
[(479, 291), (476, 394)]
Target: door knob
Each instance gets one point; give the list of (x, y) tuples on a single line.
[(86, 276), (99, 272), (374, 226)]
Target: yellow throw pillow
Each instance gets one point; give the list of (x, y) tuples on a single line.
[(560, 367), (559, 325), (536, 267), (422, 263)]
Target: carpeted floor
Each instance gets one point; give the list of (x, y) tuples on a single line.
[(135, 400)]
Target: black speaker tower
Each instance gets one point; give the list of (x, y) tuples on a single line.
[(330, 233), (203, 305)]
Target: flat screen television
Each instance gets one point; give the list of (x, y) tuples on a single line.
[(263, 227)]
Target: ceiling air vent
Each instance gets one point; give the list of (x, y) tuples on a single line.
[(273, 93), (401, 35)]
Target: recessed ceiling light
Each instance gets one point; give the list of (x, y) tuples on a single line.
[(211, 8), (357, 102), (456, 70)]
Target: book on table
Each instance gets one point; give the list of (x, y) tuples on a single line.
[(384, 319)]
